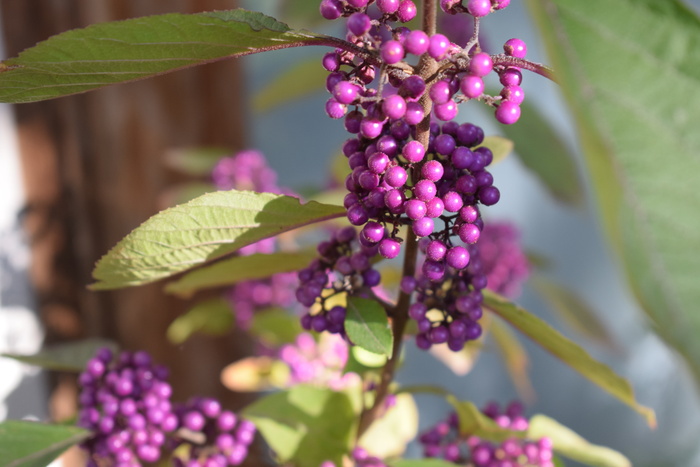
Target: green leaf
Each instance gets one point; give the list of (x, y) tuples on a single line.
[(306, 425), (500, 147), (195, 161), (574, 311), (630, 71), (69, 356), (239, 268), (296, 82), (389, 435), (515, 359), (32, 444), (102, 54), (569, 444), (367, 326), (567, 351), (542, 150), (275, 326), (473, 422), (421, 463), (212, 317), (204, 229)]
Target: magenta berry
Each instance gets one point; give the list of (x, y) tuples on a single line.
[(507, 112), (480, 64), (392, 52), (407, 11), (515, 48), (472, 86), (479, 8), (438, 46), (388, 6), (416, 43)]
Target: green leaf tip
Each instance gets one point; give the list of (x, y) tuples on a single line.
[(567, 351), (206, 228), (367, 326)]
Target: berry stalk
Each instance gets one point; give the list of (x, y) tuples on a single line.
[(427, 67)]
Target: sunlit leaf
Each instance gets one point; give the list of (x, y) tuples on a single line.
[(204, 229), (306, 425), (253, 374), (571, 445), (367, 326), (32, 444), (102, 54)]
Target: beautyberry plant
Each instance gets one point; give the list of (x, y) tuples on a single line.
[(409, 253)]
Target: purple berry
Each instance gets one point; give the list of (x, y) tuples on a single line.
[(423, 227), (414, 113), (453, 201), (425, 190), (440, 92), (407, 11), (457, 257), (389, 248), (469, 233), (436, 250), (388, 7), (335, 109), (511, 77), (435, 208), (346, 92), (413, 151), (445, 144), (433, 270), (415, 209), (508, 112), (394, 107), (373, 231), (331, 9), (480, 64), (479, 8), (392, 52), (472, 86), (438, 46), (359, 24), (416, 43), (447, 111), (433, 170), (515, 48), (396, 176), (513, 94), (489, 195)]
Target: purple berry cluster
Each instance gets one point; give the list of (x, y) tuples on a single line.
[(504, 262), (360, 458), (446, 310), (125, 402), (443, 441), (319, 363), (343, 267), (215, 437), (248, 297)]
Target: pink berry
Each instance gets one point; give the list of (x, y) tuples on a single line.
[(416, 42), (508, 112), (359, 24), (447, 111), (407, 11), (438, 46), (392, 52), (515, 48), (388, 6), (481, 64), (472, 86), (479, 8), (513, 94)]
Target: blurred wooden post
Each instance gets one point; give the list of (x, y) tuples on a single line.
[(94, 170)]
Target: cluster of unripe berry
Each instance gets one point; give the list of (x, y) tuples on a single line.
[(444, 441), (342, 267), (125, 402)]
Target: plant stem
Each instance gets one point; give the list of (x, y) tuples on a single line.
[(427, 67)]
